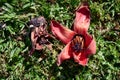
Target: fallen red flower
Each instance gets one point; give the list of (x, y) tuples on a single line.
[(79, 44)]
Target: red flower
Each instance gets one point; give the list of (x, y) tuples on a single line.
[(79, 44)]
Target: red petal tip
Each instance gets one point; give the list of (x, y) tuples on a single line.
[(65, 54), (82, 19)]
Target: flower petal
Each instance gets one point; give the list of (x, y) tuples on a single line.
[(91, 49), (61, 32), (90, 44), (82, 19), (65, 54), (34, 39), (81, 58), (38, 46)]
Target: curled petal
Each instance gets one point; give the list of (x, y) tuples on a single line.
[(65, 54), (61, 32), (82, 19), (81, 58), (34, 39), (90, 44), (38, 46)]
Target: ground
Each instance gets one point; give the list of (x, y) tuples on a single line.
[(15, 42)]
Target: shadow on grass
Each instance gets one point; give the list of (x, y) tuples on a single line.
[(67, 70)]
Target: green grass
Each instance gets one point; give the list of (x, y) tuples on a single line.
[(15, 43)]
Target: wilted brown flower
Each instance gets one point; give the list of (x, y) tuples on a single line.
[(38, 34)]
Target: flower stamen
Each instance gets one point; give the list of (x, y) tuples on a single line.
[(78, 43)]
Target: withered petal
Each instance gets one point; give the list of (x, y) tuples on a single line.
[(38, 46)]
